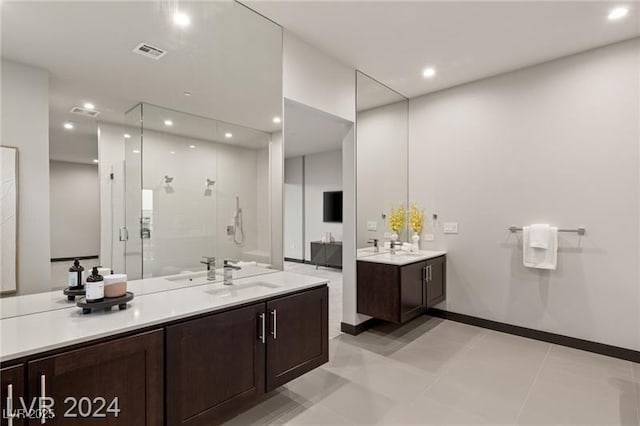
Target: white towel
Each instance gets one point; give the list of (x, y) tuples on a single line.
[(538, 257), (539, 235)]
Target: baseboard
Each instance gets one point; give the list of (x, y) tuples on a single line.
[(354, 330), (290, 259), (544, 336), (71, 259)]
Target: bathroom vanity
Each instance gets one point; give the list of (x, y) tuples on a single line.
[(189, 356), (399, 287)]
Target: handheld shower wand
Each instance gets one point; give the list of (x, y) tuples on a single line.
[(238, 225)]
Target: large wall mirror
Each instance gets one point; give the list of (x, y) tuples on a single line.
[(382, 161), (144, 149)]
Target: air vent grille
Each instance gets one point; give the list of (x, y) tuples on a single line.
[(149, 51), (84, 112)]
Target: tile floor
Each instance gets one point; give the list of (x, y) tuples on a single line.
[(432, 371)]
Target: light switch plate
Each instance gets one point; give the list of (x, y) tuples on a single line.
[(451, 227), (429, 237), (372, 225)]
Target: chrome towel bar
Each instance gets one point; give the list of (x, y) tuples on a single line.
[(580, 231)]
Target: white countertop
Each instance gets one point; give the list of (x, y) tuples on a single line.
[(402, 257), (39, 332), (41, 302)]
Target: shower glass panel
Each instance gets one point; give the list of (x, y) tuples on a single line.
[(205, 192), (129, 235)]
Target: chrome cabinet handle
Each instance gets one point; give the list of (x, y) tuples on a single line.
[(430, 272), (263, 328), (43, 395), (425, 274), (9, 405), (274, 332)]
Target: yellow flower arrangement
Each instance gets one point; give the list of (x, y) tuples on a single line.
[(397, 218), (416, 218)]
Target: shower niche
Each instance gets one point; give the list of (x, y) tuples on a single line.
[(195, 187)]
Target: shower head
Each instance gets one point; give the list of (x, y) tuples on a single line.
[(168, 179)]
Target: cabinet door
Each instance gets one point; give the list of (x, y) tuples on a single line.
[(84, 383), (215, 365), (318, 254), (436, 280), (298, 339), (378, 291), (12, 394), (334, 255), (412, 291)]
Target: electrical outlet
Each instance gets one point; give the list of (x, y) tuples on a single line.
[(429, 237), (451, 227), (372, 225)]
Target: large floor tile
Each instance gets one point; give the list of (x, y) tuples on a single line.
[(569, 399), (310, 415), (254, 416), (358, 404), (425, 411)]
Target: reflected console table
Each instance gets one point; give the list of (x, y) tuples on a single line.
[(326, 254)]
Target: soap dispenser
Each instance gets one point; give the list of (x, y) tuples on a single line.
[(76, 276), (95, 286)]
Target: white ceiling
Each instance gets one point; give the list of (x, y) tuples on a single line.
[(310, 131), (229, 58), (393, 41), (370, 93)]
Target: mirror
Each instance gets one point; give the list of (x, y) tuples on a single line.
[(144, 152), (382, 162)]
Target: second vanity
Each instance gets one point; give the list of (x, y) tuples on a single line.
[(187, 356), (399, 287)]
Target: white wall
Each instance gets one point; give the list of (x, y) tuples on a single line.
[(25, 125), (75, 209), (313, 78), (382, 167), (294, 208), (322, 173), (556, 143), (276, 183)]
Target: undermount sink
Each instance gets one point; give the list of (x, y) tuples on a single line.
[(193, 278), (241, 290)]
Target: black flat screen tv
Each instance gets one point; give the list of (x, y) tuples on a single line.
[(332, 207)]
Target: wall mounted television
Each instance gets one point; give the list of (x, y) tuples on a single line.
[(332, 207)]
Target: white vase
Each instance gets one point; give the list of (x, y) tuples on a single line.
[(415, 239)]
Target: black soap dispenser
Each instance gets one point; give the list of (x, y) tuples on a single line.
[(95, 286), (76, 276)]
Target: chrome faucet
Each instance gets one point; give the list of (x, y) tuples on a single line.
[(228, 268), (393, 246), (376, 248), (211, 267)]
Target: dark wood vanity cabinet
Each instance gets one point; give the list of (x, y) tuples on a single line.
[(215, 364), (298, 339), (219, 363), (84, 383), (12, 392), (400, 293)]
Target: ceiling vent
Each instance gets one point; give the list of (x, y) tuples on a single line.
[(149, 51), (84, 112)]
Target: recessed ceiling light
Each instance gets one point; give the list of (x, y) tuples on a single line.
[(89, 105), (277, 120), (228, 135), (181, 19), (127, 136), (168, 123), (192, 146), (68, 125), (187, 93), (428, 72), (136, 151), (172, 152), (95, 160), (618, 12)]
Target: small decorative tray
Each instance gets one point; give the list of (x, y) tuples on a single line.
[(71, 293), (105, 304)]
